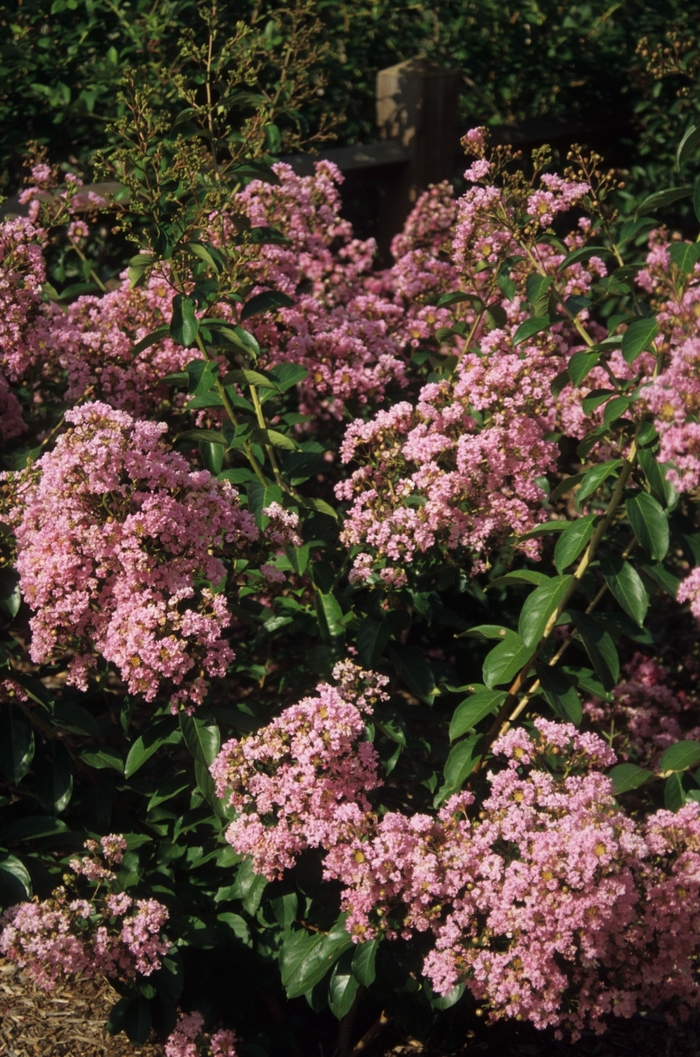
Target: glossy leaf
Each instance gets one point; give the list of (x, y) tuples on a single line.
[(674, 794), (685, 255), (573, 540), (599, 647), (661, 199), (656, 475), (531, 327), (364, 962), (16, 743), (414, 670), (626, 776), (54, 776), (162, 732), (137, 1021), (73, 717), (594, 478), (680, 757), (15, 882), (625, 585), (580, 364), (462, 760), (649, 523), (504, 662), (330, 615), (473, 709), (539, 607), (184, 326), (343, 986), (306, 964), (268, 301), (561, 694), (201, 736), (638, 337)]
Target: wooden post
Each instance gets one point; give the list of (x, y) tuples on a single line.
[(417, 108)]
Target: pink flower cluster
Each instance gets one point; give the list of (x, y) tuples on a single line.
[(188, 1039), (458, 469), (551, 905), (339, 327), (108, 934), (294, 780), (647, 715), (115, 551)]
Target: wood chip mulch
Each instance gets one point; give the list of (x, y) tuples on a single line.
[(66, 1022)]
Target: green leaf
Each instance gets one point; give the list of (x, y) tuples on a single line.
[(102, 756), (414, 670), (16, 743), (650, 524), (504, 662), (169, 788), (115, 1020), (241, 377), (661, 576), (687, 145), (462, 760), (519, 576), (628, 776), (632, 228), (580, 364), (363, 962), (616, 408), (584, 253), (625, 585), (594, 478), (260, 497), (489, 631), (237, 927), (285, 908), (267, 301), (288, 375), (298, 557), (595, 398), (343, 986), (150, 339), (203, 436), (638, 337), (679, 757), (54, 777), (249, 886), (330, 616), (696, 198), (656, 475), (170, 978), (539, 607), (10, 595), (531, 327), (674, 793), (32, 829), (201, 736), (537, 289), (163, 732), (660, 199), (76, 719), (573, 540), (15, 882), (473, 709), (599, 647), (561, 694), (184, 325), (563, 488), (685, 255), (274, 438), (137, 1021), (207, 253), (308, 963), (373, 637), (456, 297)]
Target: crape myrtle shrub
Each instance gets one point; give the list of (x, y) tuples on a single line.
[(349, 616), (62, 65)]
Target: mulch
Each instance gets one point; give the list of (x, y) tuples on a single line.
[(70, 1022)]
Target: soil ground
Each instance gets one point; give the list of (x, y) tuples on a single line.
[(69, 1022)]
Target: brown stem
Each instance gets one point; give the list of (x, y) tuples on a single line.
[(371, 1034)]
